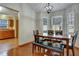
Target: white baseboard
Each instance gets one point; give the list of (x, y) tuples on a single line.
[(76, 45), (26, 42)]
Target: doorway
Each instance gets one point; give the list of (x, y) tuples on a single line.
[(8, 27)]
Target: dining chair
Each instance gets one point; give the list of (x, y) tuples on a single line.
[(35, 32), (72, 43)]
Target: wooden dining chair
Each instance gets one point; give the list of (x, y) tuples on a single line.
[(72, 44), (35, 32)]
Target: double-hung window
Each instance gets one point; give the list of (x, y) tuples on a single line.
[(56, 23), (45, 26), (70, 22)]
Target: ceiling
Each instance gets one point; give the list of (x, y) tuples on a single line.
[(40, 7), (7, 11)]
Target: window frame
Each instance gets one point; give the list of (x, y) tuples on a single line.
[(57, 16), (70, 22), (45, 32)]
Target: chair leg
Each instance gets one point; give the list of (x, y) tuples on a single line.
[(73, 52), (62, 54), (32, 48), (43, 50)]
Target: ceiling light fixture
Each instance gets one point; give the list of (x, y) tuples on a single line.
[(48, 8)]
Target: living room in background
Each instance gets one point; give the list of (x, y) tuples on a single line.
[(3, 24), (8, 22)]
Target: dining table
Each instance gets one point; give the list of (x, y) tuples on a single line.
[(57, 37)]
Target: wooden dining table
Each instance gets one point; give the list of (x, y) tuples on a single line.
[(57, 37)]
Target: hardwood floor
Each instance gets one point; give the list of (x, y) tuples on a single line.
[(26, 50), (9, 41), (7, 44)]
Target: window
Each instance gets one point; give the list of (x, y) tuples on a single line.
[(45, 27), (3, 23), (57, 22), (70, 22)]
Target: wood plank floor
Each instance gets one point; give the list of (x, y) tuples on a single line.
[(26, 50), (6, 44), (9, 41)]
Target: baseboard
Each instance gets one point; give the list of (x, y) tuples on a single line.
[(25, 43), (76, 46)]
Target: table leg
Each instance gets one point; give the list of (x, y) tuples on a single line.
[(43, 50), (67, 42), (32, 48), (40, 49)]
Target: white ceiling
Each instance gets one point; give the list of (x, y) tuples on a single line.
[(40, 7), (6, 11)]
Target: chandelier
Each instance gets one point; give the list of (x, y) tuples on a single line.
[(48, 8)]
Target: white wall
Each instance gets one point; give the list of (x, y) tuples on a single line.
[(26, 21), (39, 21)]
